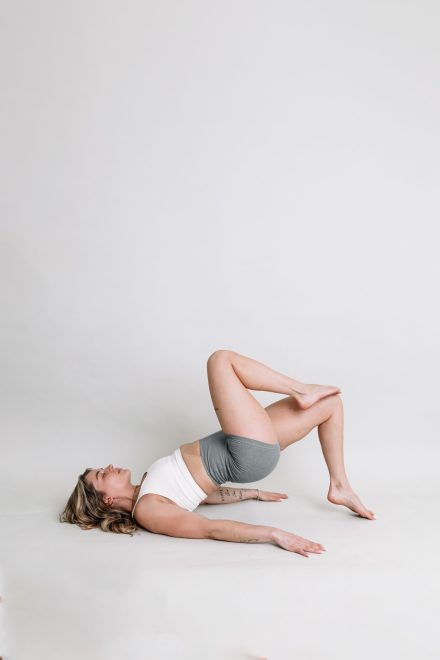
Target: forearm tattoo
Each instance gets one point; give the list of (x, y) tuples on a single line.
[(235, 493)]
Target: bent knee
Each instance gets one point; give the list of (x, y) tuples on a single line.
[(335, 400), (220, 353)]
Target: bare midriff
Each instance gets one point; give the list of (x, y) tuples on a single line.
[(191, 455)]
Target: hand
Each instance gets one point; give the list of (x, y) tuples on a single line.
[(294, 543), (267, 496)]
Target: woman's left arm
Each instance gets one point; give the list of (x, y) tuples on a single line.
[(228, 494)]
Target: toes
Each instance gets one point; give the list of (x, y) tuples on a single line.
[(369, 514)]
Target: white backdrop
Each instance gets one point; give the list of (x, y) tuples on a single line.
[(179, 177)]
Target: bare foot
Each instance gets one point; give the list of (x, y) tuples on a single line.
[(345, 495), (313, 394)]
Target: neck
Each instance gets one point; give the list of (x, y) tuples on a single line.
[(131, 501), (135, 494), (127, 502)]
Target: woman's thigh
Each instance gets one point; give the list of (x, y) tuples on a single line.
[(238, 412), (292, 423)]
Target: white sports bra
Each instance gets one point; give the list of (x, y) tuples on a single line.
[(169, 476)]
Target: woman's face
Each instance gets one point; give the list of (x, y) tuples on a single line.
[(110, 480)]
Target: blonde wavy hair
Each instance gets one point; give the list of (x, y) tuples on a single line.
[(87, 509)]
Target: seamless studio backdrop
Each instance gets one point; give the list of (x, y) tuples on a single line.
[(179, 177)]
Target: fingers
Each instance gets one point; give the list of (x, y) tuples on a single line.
[(278, 496), (298, 544), (304, 551), (268, 496), (311, 546)]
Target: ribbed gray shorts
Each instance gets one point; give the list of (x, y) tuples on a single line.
[(237, 458)]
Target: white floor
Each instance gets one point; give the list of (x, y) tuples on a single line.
[(71, 594)]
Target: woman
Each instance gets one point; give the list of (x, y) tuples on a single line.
[(246, 449)]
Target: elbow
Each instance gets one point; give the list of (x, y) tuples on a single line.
[(217, 530)]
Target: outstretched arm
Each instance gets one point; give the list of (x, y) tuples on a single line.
[(228, 494), (172, 520)]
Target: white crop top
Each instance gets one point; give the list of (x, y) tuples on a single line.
[(169, 476)]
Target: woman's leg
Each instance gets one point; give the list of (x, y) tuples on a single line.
[(292, 424), (231, 375), (331, 433), (259, 377)]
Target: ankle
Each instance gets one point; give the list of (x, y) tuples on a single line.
[(297, 387), (340, 484)]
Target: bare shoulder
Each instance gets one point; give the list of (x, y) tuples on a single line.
[(168, 518), (147, 505)]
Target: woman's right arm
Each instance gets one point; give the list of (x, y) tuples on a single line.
[(230, 530), (172, 520)]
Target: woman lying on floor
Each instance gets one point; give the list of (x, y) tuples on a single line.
[(246, 449)]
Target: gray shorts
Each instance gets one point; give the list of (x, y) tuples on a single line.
[(237, 458)]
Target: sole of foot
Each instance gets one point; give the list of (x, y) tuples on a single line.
[(349, 499), (314, 394)]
